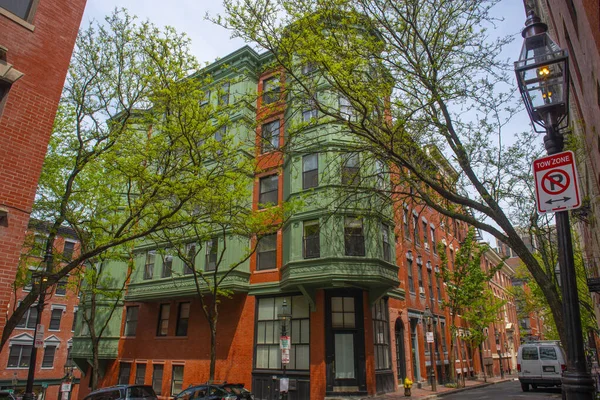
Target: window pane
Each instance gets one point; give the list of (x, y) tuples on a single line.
[(274, 356), (344, 356), (18, 7), (48, 361), (337, 320), (337, 304), (530, 353), (348, 304), (266, 308), (302, 357), (262, 356), (300, 307), (140, 374), (547, 353), (55, 319), (260, 332)]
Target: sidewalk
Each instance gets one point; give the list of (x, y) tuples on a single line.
[(426, 393)]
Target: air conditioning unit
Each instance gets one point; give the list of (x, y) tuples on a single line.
[(422, 291)]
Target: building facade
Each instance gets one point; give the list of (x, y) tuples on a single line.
[(358, 277), (54, 365), (36, 42)]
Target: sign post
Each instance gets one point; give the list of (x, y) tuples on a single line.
[(556, 183), (39, 337)]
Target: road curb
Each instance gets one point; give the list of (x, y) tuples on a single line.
[(450, 392)]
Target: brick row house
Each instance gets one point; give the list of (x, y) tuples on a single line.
[(357, 281), (36, 41), (54, 363)]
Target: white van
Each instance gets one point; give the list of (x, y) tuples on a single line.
[(540, 364)]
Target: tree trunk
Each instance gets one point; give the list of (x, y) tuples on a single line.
[(452, 359), (213, 340), (95, 365)]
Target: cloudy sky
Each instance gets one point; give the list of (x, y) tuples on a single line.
[(210, 41)]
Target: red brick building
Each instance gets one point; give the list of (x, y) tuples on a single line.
[(58, 318), (36, 42)]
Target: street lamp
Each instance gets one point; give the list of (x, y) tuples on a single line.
[(40, 279), (284, 317), (543, 78), (497, 334), (428, 317)]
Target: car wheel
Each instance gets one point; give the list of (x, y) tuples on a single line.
[(534, 387), (525, 387)]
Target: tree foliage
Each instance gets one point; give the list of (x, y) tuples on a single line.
[(418, 75)]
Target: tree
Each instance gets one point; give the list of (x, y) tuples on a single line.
[(467, 293), (101, 295), (116, 168), (414, 76)]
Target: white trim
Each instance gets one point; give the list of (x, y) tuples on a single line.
[(24, 339), (62, 307), (424, 219), (52, 341), (431, 225)]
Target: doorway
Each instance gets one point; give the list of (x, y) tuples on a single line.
[(400, 351), (345, 344)]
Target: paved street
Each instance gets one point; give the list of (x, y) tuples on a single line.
[(505, 390)]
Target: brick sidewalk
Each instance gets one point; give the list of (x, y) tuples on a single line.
[(427, 393)]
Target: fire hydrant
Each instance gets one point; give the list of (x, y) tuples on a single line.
[(407, 385)]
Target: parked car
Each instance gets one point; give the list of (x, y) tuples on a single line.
[(540, 364), (124, 392), (205, 392), (227, 391), (239, 390)]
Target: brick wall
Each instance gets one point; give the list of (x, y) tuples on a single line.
[(26, 121)]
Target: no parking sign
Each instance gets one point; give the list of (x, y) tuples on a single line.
[(556, 184)]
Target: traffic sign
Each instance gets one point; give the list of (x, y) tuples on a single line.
[(39, 337), (429, 336), (556, 183)]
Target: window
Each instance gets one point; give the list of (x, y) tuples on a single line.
[(271, 90), (381, 339), (443, 332), (267, 252), (74, 319), (351, 169), (68, 249), (224, 94), (61, 287), (406, 223), (354, 239), (452, 258), (163, 320), (343, 314), (124, 373), (212, 248), (183, 316), (547, 353), (309, 111), (220, 133), (420, 272), (177, 379), (379, 174), (269, 136), (48, 360), (530, 353), (425, 236), (308, 68), (19, 356), (21, 8), (411, 279), (385, 236), (312, 239), (149, 266), (433, 243), (157, 376), (310, 171), (206, 98), (269, 191), (190, 250), (39, 243), (131, 320), (438, 286), (416, 229), (55, 318), (268, 329), (140, 374), (346, 109), (29, 319), (430, 282), (167, 266)]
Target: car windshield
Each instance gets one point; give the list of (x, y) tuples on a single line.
[(140, 392)]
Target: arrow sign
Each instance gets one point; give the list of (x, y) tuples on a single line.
[(556, 183), (558, 200)]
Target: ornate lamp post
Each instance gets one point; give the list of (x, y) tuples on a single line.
[(284, 317), (68, 378), (428, 317), (543, 77)]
